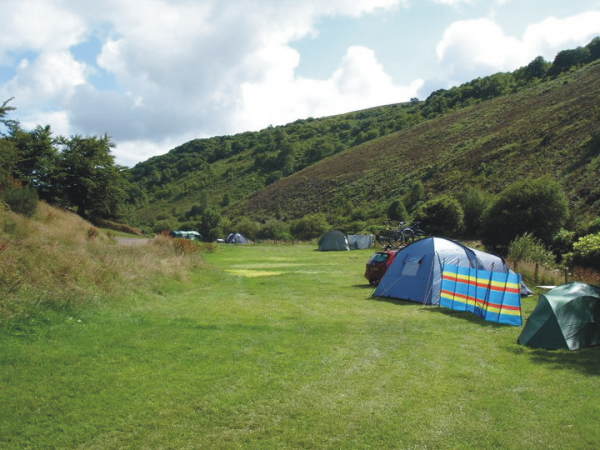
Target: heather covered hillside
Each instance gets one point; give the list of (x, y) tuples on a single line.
[(549, 129)]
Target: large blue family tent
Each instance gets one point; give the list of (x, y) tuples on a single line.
[(442, 272)]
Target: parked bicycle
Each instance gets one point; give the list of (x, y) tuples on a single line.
[(396, 235)]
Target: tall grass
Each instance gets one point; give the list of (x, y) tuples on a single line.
[(57, 260)]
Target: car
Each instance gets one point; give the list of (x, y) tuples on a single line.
[(378, 264)]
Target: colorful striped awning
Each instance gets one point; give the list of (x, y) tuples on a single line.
[(493, 296)]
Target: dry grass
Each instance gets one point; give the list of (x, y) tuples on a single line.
[(547, 276), (58, 259)]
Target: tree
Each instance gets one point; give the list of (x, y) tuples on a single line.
[(534, 206), (473, 202), (209, 225), (529, 249), (21, 200), (415, 196), (536, 68), (248, 228), (442, 215), (8, 152), (566, 59), (4, 109), (397, 211), (594, 48), (88, 177), (36, 158), (310, 226), (586, 252)]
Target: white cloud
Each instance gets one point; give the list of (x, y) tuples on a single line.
[(38, 25), (359, 82), (452, 2), (51, 77), (473, 48), (553, 35)]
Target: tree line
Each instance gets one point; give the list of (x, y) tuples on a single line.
[(76, 172)]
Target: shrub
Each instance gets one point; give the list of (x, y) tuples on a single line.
[(275, 229), (310, 226), (562, 243), (535, 206), (473, 202), (586, 252), (397, 211), (440, 216), (527, 248), (184, 246), (22, 201), (92, 233)]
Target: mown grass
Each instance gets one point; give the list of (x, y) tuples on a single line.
[(284, 347)]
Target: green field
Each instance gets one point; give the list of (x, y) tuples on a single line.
[(284, 347)]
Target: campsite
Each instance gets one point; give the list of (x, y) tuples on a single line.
[(283, 346)]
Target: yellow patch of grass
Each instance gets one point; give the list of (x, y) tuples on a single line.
[(252, 273)]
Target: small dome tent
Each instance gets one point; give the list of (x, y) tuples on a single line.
[(333, 240), (567, 317), (237, 238)]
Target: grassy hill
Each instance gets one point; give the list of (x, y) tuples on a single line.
[(367, 159), (546, 129)]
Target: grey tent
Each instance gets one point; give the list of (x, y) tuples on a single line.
[(566, 317), (237, 238), (360, 241), (194, 235), (333, 240)]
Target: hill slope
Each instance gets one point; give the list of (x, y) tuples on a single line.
[(546, 129), (366, 159)]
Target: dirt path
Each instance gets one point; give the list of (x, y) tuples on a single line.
[(131, 241)]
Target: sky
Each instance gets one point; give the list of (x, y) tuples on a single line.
[(154, 74)]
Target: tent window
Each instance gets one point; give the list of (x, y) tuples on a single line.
[(411, 265)]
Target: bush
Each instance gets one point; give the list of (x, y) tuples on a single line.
[(22, 201), (473, 202), (310, 226), (586, 252), (536, 206), (442, 216), (527, 248), (397, 211), (275, 229)]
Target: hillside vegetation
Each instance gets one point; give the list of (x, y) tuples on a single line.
[(516, 152), (550, 129), (543, 119)]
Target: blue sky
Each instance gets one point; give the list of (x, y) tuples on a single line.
[(153, 74)]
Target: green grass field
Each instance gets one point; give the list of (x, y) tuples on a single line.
[(284, 347)]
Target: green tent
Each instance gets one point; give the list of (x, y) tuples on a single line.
[(565, 317), (333, 240)]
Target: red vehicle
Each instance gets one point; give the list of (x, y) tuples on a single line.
[(378, 265)]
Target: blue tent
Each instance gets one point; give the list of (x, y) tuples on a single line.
[(237, 238), (417, 271)]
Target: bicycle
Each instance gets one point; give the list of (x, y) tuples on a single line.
[(399, 236), (391, 237)]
